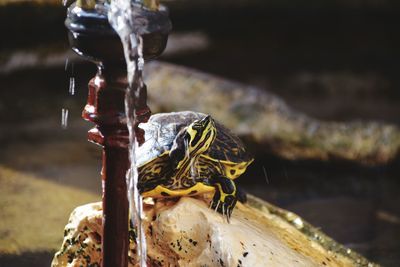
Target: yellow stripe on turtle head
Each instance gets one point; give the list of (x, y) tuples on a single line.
[(202, 133)]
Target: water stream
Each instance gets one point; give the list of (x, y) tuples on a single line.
[(121, 16), (64, 118)]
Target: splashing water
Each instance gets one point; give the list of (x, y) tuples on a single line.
[(194, 171), (193, 168), (121, 17)]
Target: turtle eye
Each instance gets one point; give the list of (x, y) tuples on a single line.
[(196, 126)]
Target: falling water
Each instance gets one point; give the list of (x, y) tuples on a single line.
[(121, 17), (71, 88), (66, 64), (265, 174), (64, 118)]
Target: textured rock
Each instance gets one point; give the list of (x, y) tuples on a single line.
[(33, 211), (186, 232)]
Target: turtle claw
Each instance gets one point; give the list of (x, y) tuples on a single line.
[(229, 214), (225, 198), (215, 205), (224, 207)]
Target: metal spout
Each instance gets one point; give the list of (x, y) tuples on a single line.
[(91, 35)]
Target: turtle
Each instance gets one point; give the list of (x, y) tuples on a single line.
[(188, 153)]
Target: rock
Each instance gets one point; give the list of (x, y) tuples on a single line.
[(186, 232), (266, 122), (26, 201)]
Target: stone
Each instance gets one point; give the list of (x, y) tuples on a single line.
[(185, 232)]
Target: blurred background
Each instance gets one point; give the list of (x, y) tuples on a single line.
[(334, 60)]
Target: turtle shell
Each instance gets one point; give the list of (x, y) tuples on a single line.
[(160, 132), (228, 147), (161, 129)]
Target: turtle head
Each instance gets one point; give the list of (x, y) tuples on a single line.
[(193, 140), (199, 136)]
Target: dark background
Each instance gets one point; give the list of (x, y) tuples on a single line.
[(336, 61)]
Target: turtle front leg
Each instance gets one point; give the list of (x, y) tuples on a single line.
[(225, 196)]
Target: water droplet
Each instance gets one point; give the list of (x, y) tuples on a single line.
[(64, 118), (265, 175), (71, 89), (64, 2), (66, 64)]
